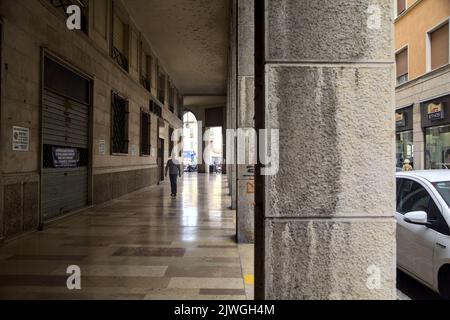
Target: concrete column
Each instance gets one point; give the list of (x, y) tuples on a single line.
[(418, 139), (232, 103), (245, 212), (325, 79)]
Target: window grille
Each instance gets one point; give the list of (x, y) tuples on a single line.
[(119, 125)]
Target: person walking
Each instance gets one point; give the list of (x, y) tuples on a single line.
[(407, 166), (174, 168)]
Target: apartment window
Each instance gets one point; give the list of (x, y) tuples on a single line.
[(120, 42), (157, 110), (439, 47), (171, 98), (180, 107), (119, 134), (145, 133), (401, 60), (161, 87), (401, 6), (171, 142), (146, 66), (84, 6)]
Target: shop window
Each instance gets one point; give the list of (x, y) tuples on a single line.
[(120, 43), (404, 148), (62, 6), (437, 147), (145, 134), (438, 54), (401, 6), (401, 60), (120, 116)]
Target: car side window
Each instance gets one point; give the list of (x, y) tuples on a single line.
[(438, 222), (398, 192), (412, 196)]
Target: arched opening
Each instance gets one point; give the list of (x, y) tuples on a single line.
[(190, 142)]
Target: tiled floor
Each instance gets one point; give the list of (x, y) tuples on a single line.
[(142, 246)]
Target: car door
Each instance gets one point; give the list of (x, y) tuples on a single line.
[(415, 243)]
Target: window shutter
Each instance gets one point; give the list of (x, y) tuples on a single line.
[(402, 63), (119, 34), (439, 47), (401, 6)]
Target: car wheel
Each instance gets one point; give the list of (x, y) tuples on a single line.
[(444, 282)]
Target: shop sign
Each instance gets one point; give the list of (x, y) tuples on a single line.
[(400, 120), (65, 157), (21, 139), (435, 111)]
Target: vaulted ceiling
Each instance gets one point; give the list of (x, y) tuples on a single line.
[(191, 39)]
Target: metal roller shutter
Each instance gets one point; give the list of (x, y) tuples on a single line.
[(65, 124)]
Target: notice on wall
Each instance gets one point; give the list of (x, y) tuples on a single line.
[(65, 157), (134, 150), (101, 147), (21, 139)]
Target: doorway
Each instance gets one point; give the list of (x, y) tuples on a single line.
[(214, 150)]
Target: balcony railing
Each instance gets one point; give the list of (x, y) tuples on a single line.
[(120, 58)]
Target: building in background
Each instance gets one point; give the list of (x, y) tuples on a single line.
[(423, 83), (190, 139)]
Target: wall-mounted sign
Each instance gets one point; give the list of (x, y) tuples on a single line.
[(400, 119), (65, 157), (134, 150), (435, 111), (21, 139), (101, 147)]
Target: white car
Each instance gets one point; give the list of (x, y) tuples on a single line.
[(423, 232)]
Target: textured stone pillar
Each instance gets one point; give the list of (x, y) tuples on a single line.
[(245, 212), (418, 139), (232, 104), (325, 78)]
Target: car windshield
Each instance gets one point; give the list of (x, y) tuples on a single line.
[(443, 188)]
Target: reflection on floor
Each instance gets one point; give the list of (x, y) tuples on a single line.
[(142, 246)]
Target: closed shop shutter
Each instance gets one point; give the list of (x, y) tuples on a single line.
[(65, 126)]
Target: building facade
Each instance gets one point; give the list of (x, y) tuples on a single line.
[(423, 83), (85, 115)]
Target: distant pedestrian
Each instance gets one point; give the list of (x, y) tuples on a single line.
[(174, 168), (407, 166)]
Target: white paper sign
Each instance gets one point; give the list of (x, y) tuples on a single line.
[(134, 150), (101, 147), (21, 139)]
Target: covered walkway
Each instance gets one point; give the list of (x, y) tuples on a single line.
[(142, 246)]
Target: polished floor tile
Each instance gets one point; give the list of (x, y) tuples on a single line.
[(145, 245)]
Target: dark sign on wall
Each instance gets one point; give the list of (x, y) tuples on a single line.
[(404, 119), (214, 117), (65, 157), (435, 112)]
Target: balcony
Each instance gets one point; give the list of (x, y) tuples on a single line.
[(120, 58)]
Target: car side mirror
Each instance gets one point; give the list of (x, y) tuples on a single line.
[(417, 217)]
